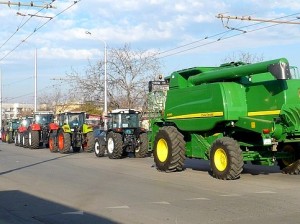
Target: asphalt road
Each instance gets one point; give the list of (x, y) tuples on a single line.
[(37, 186)]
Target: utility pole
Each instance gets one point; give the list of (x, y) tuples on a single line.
[(249, 18), (35, 81), (31, 4), (0, 103)]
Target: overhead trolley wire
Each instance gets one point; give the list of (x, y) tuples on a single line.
[(219, 39), (21, 25), (38, 28)]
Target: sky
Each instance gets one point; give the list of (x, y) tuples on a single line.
[(186, 32)]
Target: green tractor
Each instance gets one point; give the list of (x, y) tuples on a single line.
[(73, 132), (11, 129), (230, 115)]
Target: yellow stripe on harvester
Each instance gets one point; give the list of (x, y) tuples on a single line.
[(197, 115), (266, 112)]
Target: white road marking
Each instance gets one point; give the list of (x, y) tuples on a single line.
[(161, 202), (119, 207), (230, 195), (73, 213), (194, 199), (265, 192)]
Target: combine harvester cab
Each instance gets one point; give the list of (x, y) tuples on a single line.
[(230, 115)]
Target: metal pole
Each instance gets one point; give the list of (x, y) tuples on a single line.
[(35, 80), (105, 80), (0, 103), (105, 86)]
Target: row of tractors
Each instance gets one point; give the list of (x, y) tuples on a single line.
[(69, 133), (230, 115)]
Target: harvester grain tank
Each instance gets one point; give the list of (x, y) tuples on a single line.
[(229, 115)]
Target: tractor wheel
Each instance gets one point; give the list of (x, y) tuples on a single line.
[(76, 149), (33, 139), (53, 143), (169, 149), (114, 145), (64, 142), (142, 150), (6, 137), (21, 139), (90, 142), (226, 159), (17, 136), (99, 148), (25, 140), (292, 165), (10, 137)]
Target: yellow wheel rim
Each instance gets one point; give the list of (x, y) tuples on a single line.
[(220, 159), (162, 150)]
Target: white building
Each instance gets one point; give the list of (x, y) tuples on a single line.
[(10, 110)]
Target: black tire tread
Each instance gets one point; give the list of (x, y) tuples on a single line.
[(177, 147), (35, 140), (143, 147), (118, 145), (234, 156)]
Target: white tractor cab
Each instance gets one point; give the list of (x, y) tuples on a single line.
[(124, 135)]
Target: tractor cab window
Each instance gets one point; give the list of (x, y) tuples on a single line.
[(26, 122), (76, 120), (294, 72), (15, 124), (130, 120), (43, 119)]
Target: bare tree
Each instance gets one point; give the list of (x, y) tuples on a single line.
[(49, 101), (244, 57), (129, 73)]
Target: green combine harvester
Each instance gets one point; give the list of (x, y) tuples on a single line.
[(230, 115)]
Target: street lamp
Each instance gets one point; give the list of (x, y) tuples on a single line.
[(105, 80)]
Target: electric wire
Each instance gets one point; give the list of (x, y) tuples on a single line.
[(219, 39), (38, 28), (21, 25)]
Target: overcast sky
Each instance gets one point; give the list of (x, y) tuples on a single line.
[(160, 25)]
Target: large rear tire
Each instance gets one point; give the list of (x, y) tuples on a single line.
[(25, 140), (10, 138), (114, 145), (17, 141), (90, 142), (99, 148), (226, 159), (142, 150), (33, 139), (53, 142), (64, 142), (292, 165), (169, 149)]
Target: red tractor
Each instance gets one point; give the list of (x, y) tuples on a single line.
[(21, 137), (40, 129)]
